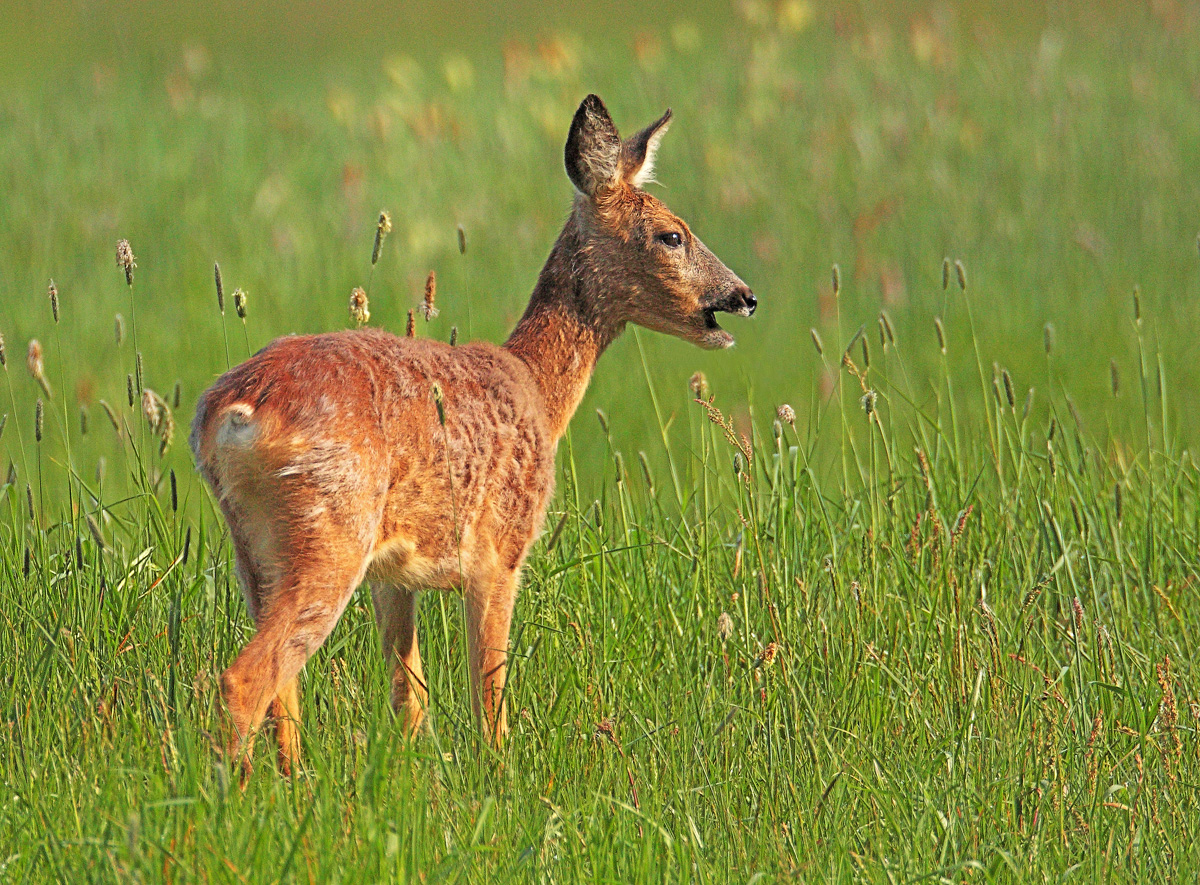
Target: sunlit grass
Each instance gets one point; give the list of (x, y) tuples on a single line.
[(931, 620)]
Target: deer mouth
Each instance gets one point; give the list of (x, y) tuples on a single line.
[(739, 302)]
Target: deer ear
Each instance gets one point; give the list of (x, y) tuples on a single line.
[(593, 152), (637, 153)]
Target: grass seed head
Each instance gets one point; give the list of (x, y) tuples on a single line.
[(410, 330), (112, 416), (868, 402), (887, 327), (150, 409), (129, 390), (360, 308), (174, 493), (941, 333), (603, 419), (137, 372), (159, 418), (36, 364), (698, 385), (125, 260), (817, 343), (453, 335), (1048, 338), (644, 463), (34, 360), (786, 414), (29, 502), (427, 306), (1114, 377), (52, 292), (3, 354), (220, 288), (440, 403), (945, 274), (462, 241), (724, 626), (176, 394), (1137, 304), (960, 271), (39, 420), (83, 420), (239, 303), (382, 229), (119, 329), (1009, 393), (837, 281)]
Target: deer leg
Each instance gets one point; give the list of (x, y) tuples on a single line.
[(284, 710), (489, 617), (396, 613), (300, 614), (285, 713)]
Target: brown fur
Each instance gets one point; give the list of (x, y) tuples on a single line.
[(331, 463)]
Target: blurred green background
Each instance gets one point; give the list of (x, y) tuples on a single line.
[(1051, 148)]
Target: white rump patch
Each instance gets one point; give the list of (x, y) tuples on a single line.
[(235, 428)]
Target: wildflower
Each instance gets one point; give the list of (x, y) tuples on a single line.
[(698, 384), (786, 414), (766, 657)]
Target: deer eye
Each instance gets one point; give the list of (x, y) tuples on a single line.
[(672, 240)]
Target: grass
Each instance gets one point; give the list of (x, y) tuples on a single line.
[(935, 629)]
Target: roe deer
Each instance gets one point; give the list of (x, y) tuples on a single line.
[(420, 465)]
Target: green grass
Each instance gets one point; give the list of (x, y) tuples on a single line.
[(979, 598)]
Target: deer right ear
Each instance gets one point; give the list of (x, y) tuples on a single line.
[(593, 152)]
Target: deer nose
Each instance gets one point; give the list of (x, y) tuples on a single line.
[(749, 302)]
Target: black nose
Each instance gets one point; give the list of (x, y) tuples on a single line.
[(747, 298)]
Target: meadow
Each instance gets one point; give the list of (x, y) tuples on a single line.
[(898, 589)]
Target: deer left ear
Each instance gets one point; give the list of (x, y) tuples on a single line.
[(637, 151), (593, 151)]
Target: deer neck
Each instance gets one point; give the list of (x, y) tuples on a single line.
[(564, 329)]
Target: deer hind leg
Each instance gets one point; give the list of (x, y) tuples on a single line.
[(284, 710), (292, 624), (396, 612), (489, 617)]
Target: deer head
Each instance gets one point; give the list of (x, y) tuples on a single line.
[(654, 270)]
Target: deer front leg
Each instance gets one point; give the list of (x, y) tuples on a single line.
[(396, 614), (489, 617)]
